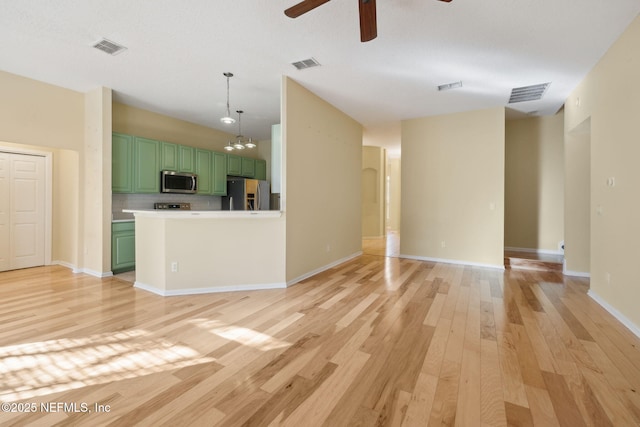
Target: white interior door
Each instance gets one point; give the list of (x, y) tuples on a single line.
[(24, 213), (4, 212)]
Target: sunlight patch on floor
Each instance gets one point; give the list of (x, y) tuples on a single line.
[(241, 335), (40, 368)]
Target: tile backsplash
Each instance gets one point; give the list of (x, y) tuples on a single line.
[(146, 201)]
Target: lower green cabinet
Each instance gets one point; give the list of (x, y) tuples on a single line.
[(123, 246)]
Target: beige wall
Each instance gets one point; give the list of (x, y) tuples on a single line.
[(578, 200), (39, 116), (135, 121), (395, 191), (453, 187), (373, 191), (610, 96), (322, 158), (534, 183)]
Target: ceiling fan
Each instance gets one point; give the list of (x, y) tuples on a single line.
[(368, 29)]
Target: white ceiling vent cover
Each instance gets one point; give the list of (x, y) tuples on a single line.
[(450, 86), (306, 63), (528, 93), (109, 47)]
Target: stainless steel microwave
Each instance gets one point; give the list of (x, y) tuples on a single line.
[(178, 182)]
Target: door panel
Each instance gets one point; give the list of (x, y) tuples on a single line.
[(4, 212), (22, 199)]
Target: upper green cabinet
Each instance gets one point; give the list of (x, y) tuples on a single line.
[(169, 156), (234, 165), (248, 167), (146, 165), (122, 163), (203, 170), (219, 174), (137, 163), (261, 169), (186, 159), (178, 158)]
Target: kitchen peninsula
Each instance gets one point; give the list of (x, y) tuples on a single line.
[(191, 252)]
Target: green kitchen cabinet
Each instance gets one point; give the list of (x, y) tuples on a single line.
[(146, 165), (176, 157), (248, 167), (122, 163), (219, 174), (168, 156), (261, 169), (234, 165), (203, 170), (123, 246), (186, 159)]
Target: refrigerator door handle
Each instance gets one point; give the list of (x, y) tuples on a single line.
[(258, 197)]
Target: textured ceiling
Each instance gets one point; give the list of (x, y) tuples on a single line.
[(178, 50)]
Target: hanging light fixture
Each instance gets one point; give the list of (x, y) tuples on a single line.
[(238, 145), (228, 119)]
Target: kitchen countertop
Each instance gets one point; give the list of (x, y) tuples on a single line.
[(170, 213)]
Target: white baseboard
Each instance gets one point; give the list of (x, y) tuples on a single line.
[(324, 268), (615, 313), (535, 251), (94, 273), (576, 274), (68, 265), (212, 290), (88, 271), (453, 261)]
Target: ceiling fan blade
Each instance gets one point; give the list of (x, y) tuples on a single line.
[(303, 7), (368, 26), (446, 1)]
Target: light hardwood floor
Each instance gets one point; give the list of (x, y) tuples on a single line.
[(375, 341)]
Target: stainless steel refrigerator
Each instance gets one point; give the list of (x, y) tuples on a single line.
[(246, 195)]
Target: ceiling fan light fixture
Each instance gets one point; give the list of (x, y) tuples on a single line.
[(250, 144), (228, 147)]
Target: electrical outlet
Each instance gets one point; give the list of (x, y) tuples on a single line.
[(443, 244), (174, 267)]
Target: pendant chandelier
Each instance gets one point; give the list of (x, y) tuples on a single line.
[(240, 143), (228, 119)]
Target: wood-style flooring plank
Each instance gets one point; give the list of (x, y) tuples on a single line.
[(373, 341)]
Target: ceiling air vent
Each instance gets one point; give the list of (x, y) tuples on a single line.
[(528, 93), (109, 47), (306, 63), (450, 86)]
